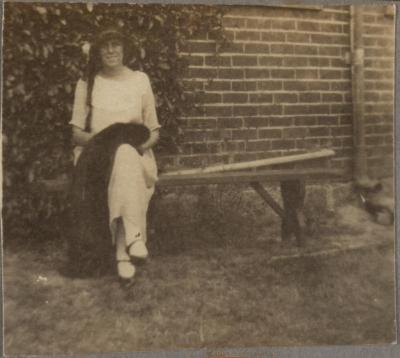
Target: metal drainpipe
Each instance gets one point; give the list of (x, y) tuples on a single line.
[(357, 72)]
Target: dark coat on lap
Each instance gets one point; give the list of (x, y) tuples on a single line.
[(89, 237)]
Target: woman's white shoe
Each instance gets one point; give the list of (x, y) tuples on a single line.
[(138, 249), (126, 270)]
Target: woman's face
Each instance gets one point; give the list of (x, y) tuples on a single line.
[(112, 53)]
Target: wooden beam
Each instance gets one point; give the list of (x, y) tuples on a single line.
[(324, 153), (268, 198), (266, 175), (248, 177)]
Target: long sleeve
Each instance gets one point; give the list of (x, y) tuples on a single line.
[(79, 110), (149, 107)]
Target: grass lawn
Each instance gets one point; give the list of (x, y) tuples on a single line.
[(211, 294)]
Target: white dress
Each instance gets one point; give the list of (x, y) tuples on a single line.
[(133, 176)]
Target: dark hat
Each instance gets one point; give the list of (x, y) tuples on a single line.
[(108, 34)]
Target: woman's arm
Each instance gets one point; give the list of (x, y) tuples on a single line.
[(80, 137), (79, 114), (150, 119), (153, 139)]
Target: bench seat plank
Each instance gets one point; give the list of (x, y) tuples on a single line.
[(269, 175), (242, 177)]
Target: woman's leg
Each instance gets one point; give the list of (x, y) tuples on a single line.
[(128, 198), (124, 266), (120, 243)]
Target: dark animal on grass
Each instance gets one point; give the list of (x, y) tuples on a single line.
[(89, 235), (378, 205)]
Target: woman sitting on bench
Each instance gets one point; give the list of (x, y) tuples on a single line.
[(111, 93)]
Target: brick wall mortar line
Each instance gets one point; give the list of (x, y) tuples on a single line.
[(263, 30), (327, 8), (285, 92), (309, 44), (380, 48), (368, 36), (379, 57), (377, 24), (380, 102), (274, 116), (379, 91), (324, 9), (376, 69), (229, 54), (322, 21), (272, 79), (285, 67)]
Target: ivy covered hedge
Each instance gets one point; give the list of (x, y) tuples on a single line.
[(43, 59)]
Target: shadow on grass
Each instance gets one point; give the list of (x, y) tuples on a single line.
[(210, 282)]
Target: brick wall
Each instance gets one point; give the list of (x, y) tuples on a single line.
[(379, 88), (283, 85)]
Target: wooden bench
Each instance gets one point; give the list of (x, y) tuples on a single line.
[(292, 185)]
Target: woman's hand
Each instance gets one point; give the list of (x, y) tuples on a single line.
[(80, 137), (153, 139)]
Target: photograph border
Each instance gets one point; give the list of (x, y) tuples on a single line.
[(381, 351)]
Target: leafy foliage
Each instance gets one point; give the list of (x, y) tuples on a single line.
[(43, 59)]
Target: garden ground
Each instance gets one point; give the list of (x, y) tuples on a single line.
[(211, 293)]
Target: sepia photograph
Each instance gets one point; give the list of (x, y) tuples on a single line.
[(197, 177)]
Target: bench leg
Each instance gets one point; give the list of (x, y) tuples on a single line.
[(293, 194), (267, 198)]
